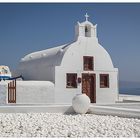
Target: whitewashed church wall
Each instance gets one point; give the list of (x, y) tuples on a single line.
[(37, 70), (103, 95), (63, 94), (107, 95), (87, 47), (73, 63)]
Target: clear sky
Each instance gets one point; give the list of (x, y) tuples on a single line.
[(25, 28)]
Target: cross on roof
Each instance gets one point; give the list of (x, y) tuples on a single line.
[(87, 16)]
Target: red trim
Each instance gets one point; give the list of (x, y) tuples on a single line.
[(105, 82), (90, 65), (93, 94), (71, 80)]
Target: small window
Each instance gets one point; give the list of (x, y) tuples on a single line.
[(71, 80), (104, 80), (88, 63), (87, 31)]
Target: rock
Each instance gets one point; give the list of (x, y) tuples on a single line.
[(61, 125)]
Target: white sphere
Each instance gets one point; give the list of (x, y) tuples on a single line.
[(81, 103)]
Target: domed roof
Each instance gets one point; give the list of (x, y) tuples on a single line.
[(45, 53)]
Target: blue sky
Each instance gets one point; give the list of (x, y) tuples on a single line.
[(25, 28)]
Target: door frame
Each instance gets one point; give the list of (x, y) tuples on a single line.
[(94, 84), (12, 92)]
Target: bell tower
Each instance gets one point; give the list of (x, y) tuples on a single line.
[(85, 29)]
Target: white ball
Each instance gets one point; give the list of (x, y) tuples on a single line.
[(81, 103)]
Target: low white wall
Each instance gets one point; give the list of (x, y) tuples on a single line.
[(3, 92), (34, 92), (123, 97)]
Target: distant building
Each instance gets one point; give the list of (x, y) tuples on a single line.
[(83, 66), (4, 73)]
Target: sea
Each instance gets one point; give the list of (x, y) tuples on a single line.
[(129, 91)]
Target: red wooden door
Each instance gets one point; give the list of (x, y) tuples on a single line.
[(88, 86), (12, 92)]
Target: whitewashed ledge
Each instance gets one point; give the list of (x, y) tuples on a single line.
[(129, 110), (48, 108), (129, 98)]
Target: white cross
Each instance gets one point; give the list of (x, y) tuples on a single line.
[(87, 16)]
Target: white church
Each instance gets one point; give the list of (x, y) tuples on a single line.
[(81, 67)]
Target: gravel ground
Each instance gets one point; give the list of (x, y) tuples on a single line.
[(66, 125)]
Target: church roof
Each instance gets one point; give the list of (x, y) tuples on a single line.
[(46, 52)]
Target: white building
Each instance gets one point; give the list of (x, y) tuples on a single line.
[(83, 66)]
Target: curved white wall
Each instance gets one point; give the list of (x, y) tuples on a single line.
[(73, 58)]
